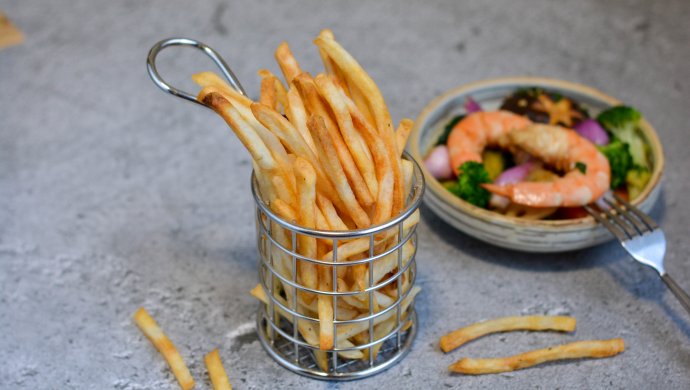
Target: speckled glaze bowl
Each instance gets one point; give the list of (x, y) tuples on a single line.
[(513, 232)]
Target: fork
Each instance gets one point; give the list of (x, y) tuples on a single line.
[(640, 237)]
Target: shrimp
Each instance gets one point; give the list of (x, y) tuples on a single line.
[(563, 149), (478, 130)]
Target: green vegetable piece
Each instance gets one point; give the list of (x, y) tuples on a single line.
[(468, 186), (620, 160), (494, 163), (448, 184), (636, 180), (582, 167), (443, 139), (623, 122)]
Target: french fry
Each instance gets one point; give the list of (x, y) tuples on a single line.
[(384, 170), (348, 330), (278, 89), (360, 78), (380, 331), (332, 95), (576, 350), (219, 378), (329, 212), (360, 245), (307, 88), (267, 94), (330, 161), (408, 172), (287, 133), (505, 324), (389, 262), (287, 62), (325, 304), (403, 133), (306, 328), (331, 67), (321, 222), (306, 185), (270, 140), (265, 184), (247, 135), (354, 72), (297, 115), (284, 210), (210, 79), (282, 188), (166, 348), (360, 101)]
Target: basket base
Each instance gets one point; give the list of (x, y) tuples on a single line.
[(283, 351)]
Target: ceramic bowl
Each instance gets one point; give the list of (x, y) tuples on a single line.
[(514, 232)]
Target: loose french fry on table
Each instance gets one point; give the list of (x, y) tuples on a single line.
[(576, 350), (216, 371), (166, 348), (506, 324)]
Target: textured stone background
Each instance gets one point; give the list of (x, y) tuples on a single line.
[(114, 195)]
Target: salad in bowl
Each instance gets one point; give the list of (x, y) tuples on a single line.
[(540, 155)]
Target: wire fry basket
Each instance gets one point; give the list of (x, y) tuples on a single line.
[(388, 326), (375, 310)]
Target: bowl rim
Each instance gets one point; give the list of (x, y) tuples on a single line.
[(436, 189)]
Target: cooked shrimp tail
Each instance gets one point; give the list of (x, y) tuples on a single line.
[(587, 170)]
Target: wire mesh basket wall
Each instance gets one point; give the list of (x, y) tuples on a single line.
[(366, 278)]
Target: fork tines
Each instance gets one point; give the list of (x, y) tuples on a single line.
[(621, 218)]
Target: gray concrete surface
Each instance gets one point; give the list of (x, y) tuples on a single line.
[(114, 195)]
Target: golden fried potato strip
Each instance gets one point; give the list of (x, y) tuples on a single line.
[(245, 132), (505, 324), (287, 62), (166, 348), (403, 133), (315, 105), (333, 96), (353, 71), (329, 159), (576, 350), (219, 378), (297, 115)]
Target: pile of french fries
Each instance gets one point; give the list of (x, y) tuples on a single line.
[(326, 157)]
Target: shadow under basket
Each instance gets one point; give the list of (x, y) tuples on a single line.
[(366, 280)]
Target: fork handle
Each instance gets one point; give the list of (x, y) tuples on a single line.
[(682, 296)]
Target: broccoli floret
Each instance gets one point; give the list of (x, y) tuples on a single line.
[(443, 139), (623, 122), (468, 187), (620, 160), (636, 180)]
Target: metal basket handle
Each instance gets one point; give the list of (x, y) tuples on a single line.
[(162, 84)]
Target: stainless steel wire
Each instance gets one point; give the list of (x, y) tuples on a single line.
[(277, 321)]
